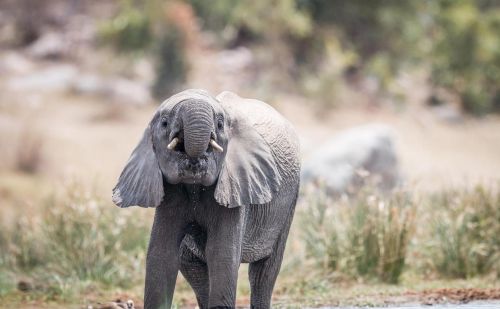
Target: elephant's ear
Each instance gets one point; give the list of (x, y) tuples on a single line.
[(249, 173), (140, 183)]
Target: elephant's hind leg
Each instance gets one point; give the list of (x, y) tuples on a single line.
[(263, 274), (196, 273)]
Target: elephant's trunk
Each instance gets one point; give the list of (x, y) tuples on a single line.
[(197, 118)]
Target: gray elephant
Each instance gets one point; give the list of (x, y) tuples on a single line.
[(223, 174)]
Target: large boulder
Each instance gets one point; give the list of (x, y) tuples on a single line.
[(353, 158)]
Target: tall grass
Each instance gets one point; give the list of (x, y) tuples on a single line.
[(465, 232), (366, 235), (78, 242), (76, 239), (371, 235)]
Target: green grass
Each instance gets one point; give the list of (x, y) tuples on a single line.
[(362, 236), (76, 242), (465, 229), (79, 249)]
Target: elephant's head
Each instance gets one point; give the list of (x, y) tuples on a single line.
[(194, 138)]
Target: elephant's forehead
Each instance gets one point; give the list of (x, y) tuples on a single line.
[(190, 94)]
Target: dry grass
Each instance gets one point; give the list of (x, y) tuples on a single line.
[(77, 244), (74, 243), (465, 229), (362, 236)]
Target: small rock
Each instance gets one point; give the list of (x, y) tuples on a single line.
[(129, 91), (56, 78), (25, 286), (118, 90), (234, 60), (448, 113), (89, 84), (15, 63), (118, 304), (50, 45)]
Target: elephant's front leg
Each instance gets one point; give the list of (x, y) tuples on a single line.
[(162, 262), (223, 254)]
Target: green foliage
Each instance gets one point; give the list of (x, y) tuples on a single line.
[(215, 15), (366, 236), (466, 57), (130, 30), (171, 67), (77, 239), (145, 27), (370, 27), (281, 17), (277, 19), (458, 40), (455, 234), (465, 226)]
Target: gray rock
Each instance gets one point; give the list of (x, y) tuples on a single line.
[(51, 45), (15, 63), (234, 60), (448, 113), (119, 90), (353, 158), (129, 91), (57, 78), (89, 84)]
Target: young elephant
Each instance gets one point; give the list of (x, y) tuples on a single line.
[(223, 174)]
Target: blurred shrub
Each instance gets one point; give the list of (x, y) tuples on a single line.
[(237, 20), (215, 15), (129, 30), (365, 236), (171, 66), (157, 27), (466, 55), (457, 40), (370, 27), (76, 239), (465, 229)]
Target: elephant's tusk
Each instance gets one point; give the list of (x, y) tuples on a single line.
[(216, 146), (173, 143)]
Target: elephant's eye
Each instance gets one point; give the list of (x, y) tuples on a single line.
[(164, 121), (220, 123)]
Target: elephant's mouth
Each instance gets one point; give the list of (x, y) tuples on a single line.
[(193, 170), (190, 169), (198, 165)]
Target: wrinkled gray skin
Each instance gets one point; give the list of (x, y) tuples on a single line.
[(214, 210)]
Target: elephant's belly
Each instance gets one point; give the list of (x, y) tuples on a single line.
[(252, 249)]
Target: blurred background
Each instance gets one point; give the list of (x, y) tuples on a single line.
[(396, 104)]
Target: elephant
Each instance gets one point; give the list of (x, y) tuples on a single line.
[(223, 174)]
